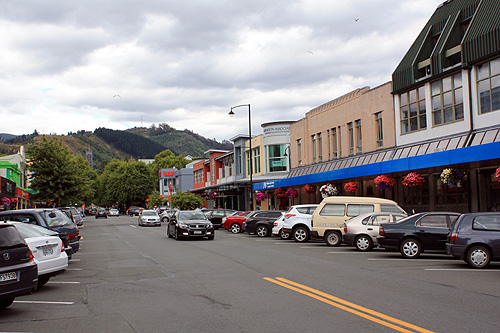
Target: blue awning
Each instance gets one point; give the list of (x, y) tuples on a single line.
[(482, 152)]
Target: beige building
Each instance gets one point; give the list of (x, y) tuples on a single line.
[(358, 122)]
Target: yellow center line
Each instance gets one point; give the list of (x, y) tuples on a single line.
[(348, 306)]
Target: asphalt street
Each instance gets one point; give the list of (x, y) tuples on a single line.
[(127, 278)]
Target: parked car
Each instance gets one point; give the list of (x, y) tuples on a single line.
[(422, 232), (216, 215), (149, 217), (167, 214), (327, 221), (101, 212), (475, 238), (190, 223), (261, 223), (49, 218), (234, 222), (73, 214), (18, 269), (298, 222), (362, 231), (114, 212), (278, 228), (48, 251)]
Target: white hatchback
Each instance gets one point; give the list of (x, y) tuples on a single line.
[(298, 222), (47, 249)]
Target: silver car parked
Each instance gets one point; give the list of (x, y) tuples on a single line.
[(362, 231)]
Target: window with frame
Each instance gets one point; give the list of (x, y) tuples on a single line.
[(333, 210), (488, 86), (358, 209), (277, 162), (412, 110), (433, 221), (487, 222), (213, 170), (256, 160), (359, 139), (379, 129), (247, 154), (320, 147), (313, 138), (447, 100), (334, 142), (329, 144), (340, 141), (350, 135), (299, 151)]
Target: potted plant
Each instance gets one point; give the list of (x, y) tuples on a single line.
[(384, 182), (497, 174), (308, 188), (351, 187), (453, 177), (280, 192), (413, 179), (260, 196), (292, 193), (328, 190)]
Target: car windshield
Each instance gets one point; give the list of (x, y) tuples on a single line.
[(191, 216), (149, 213), (56, 218)]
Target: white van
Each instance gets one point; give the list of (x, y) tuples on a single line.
[(328, 219)]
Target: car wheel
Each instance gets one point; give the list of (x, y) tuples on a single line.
[(211, 237), (301, 234), (333, 238), (478, 257), (42, 281), (284, 235), (176, 235), (169, 235), (410, 248), (262, 231), (164, 219), (6, 302), (235, 228), (363, 243)]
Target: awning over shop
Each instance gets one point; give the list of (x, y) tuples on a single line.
[(484, 145)]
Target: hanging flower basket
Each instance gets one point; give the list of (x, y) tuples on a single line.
[(351, 187), (280, 192), (308, 188), (413, 179), (453, 177), (328, 190), (260, 196), (292, 193), (384, 182), (497, 175)]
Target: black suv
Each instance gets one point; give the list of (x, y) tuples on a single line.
[(18, 270), (49, 218), (475, 238), (216, 216), (261, 223)]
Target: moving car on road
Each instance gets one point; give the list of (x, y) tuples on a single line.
[(114, 212), (422, 232), (101, 212), (190, 223), (475, 238), (149, 217)]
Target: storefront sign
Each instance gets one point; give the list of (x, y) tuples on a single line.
[(277, 130), (269, 184), (167, 173), (22, 193)]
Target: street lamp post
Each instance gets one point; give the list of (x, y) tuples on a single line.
[(231, 113), (289, 158)]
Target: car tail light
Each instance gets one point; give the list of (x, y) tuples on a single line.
[(345, 228), (454, 236), (32, 258), (275, 224), (74, 235), (381, 231), (287, 216)]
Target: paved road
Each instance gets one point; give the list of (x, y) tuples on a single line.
[(134, 279)]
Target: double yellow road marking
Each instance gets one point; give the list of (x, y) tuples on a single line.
[(361, 311)]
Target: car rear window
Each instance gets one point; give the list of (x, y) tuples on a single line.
[(333, 210), (10, 237), (355, 209), (489, 222)]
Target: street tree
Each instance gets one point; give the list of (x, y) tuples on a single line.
[(183, 200), (167, 159)]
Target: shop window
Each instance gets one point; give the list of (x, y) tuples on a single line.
[(379, 129), (489, 86), (320, 147), (277, 160), (350, 133), (412, 110), (359, 139)]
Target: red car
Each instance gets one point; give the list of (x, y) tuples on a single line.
[(234, 223)]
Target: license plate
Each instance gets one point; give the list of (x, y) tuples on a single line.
[(48, 252), (197, 232), (8, 276)]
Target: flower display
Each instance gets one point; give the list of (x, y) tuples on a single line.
[(413, 179), (308, 188), (453, 177), (260, 196), (497, 175), (328, 190), (291, 193), (280, 192), (351, 187), (384, 182), (212, 195)]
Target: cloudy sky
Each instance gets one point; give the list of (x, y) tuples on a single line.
[(79, 65)]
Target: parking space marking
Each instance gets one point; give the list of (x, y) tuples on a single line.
[(133, 226), (358, 310), (45, 302), (74, 269), (75, 259), (63, 282), (462, 269), (403, 259), (342, 252)]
